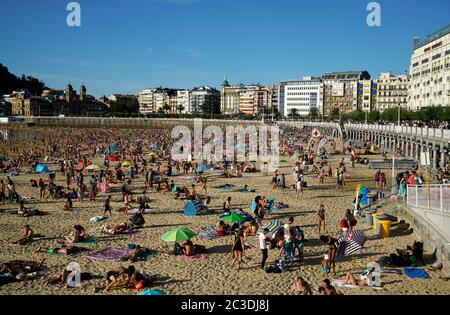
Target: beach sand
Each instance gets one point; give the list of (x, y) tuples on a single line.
[(215, 274)]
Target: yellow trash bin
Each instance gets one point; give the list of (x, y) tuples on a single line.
[(385, 228), (374, 216)]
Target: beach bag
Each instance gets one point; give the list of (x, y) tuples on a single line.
[(177, 249), (353, 222)]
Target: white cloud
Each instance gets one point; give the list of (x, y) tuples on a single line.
[(191, 52)]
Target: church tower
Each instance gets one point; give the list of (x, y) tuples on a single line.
[(68, 93), (82, 93)]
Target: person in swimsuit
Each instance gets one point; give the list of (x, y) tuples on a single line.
[(237, 250), (300, 287), (321, 219), (331, 242)]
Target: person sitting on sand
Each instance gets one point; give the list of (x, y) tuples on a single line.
[(77, 235), (300, 287), (252, 229), (137, 220), (23, 212), (227, 205), (68, 204), (322, 291), (134, 255), (329, 289), (222, 228), (27, 237)]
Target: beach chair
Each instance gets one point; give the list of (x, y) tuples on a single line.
[(271, 204)]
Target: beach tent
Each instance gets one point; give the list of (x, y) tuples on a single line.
[(192, 208), (41, 168)]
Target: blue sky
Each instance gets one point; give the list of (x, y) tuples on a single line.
[(124, 46)]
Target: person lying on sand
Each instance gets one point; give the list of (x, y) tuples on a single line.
[(63, 250), (117, 229), (222, 228), (59, 278), (188, 248), (27, 237), (350, 279), (119, 276)]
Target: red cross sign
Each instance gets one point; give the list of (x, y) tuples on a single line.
[(316, 133)]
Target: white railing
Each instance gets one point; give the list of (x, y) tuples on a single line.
[(405, 130), (430, 197)]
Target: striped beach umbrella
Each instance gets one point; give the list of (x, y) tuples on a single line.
[(272, 226), (350, 242)]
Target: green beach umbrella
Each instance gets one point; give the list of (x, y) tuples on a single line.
[(234, 217), (180, 234)]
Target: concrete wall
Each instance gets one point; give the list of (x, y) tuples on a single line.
[(428, 229)]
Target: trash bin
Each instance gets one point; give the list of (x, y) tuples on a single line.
[(387, 217), (374, 219), (369, 218), (385, 228)]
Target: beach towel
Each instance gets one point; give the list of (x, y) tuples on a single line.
[(225, 187), (208, 233), (136, 210), (199, 256), (130, 232), (98, 218), (88, 242), (339, 284), (109, 254), (280, 207), (415, 273)]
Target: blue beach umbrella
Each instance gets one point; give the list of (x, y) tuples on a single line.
[(41, 168), (152, 292), (202, 168)]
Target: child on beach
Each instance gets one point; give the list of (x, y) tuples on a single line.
[(325, 264)]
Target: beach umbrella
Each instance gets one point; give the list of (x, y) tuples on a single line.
[(234, 217), (93, 167), (41, 168), (180, 234), (272, 226), (127, 163), (202, 168), (350, 242), (112, 158), (81, 164)]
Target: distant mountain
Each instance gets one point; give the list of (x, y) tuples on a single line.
[(9, 83)]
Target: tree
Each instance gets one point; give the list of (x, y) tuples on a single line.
[(374, 115), (313, 113), (335, 113), (180, 108), (293, 113), (166, 108)]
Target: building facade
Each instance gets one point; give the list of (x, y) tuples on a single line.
[(183, 101), (393, 91), (367, 95), (340, 91), (300, 96), (205, 100), (430, 70)]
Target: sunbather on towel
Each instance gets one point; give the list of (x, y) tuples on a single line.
[(117, 278), (63, 250), (77, 235), (134, 255), (350, 279)]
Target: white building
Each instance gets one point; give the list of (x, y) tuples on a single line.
[(301, 95), (430, 70), (393, 91), (183, 99), (146, 100)]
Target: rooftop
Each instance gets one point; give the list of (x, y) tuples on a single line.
[(433, 36)]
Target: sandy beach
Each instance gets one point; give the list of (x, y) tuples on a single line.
[(213, 275)]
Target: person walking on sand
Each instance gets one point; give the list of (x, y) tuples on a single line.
[(321, 219), (237, 250), (107, 206), (263, 239)]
